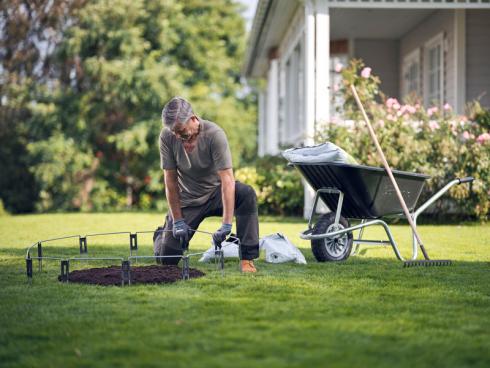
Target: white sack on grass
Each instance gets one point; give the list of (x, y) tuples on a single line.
[(322, 153), (278, 249), (230, 250)]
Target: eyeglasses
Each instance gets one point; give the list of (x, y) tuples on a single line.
[(186, 137)]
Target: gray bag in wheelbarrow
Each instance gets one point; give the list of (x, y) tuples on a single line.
[(278, 249), (325, 152)]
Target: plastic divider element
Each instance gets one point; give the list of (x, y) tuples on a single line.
[(65, 270), (126, 273), (83, 245), (40, 255), (29, 268), (185, 268)]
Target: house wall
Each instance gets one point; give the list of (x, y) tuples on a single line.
[(478, 56), (439, 21), (382, 56)]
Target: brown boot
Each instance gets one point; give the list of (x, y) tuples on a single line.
[(247, 266)]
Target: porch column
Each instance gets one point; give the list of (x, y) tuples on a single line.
[(459, 60), (271, 131), (261, 127), (322, 63), (309, 72), (317, 78)]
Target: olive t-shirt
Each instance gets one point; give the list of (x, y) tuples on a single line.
[(197, 171)]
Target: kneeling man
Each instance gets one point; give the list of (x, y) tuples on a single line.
[(199, 182)]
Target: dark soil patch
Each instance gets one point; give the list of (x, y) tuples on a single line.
[(155, 274)]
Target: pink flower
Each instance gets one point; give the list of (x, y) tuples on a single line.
[(389, 102), (433, 125), (336, 87), (410, 109), (466, 135), (447, 106), (482, 138), (366, 72), (390, 117), (381, 123), (432, 110), (338, 67), (396, 106), (453, 124), (417, 106)]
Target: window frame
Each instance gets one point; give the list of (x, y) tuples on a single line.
[(437, 41), (413, 57), (292, 105)]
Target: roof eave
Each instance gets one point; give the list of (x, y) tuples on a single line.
[(260, 17)]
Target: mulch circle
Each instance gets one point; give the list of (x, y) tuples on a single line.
[(154, 274)]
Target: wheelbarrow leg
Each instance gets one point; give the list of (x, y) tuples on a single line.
[(427, 261)]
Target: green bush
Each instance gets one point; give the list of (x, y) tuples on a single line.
[(434, 141), (278, 187)]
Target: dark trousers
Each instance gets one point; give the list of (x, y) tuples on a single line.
[(247, 222)]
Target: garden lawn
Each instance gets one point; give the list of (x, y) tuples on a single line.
[(367, 311)]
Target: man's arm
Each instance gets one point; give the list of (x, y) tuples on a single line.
[(172, 193), (228, 194)]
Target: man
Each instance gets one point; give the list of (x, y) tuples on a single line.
[(199, 182)]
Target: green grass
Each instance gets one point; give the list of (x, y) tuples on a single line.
[(367, 311)]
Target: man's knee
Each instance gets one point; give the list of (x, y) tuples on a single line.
[(171, 256), (246, 198), (164, 244)]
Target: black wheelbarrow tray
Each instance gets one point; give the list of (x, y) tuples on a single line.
[(365, 193)]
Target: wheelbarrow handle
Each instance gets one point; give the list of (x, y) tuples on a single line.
[(468, 179)]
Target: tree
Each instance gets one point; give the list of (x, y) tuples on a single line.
[(112, 68)]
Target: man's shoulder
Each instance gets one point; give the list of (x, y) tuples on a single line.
[(211, 129), (166, 135)]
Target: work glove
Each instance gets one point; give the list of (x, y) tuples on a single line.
[(181, 231), (220, 235)]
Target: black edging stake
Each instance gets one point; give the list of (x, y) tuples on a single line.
[(40, 255), (29, 268), (222, 261), (65, 270), (83, 244), (133, 243), (185, 268), (126, 273)]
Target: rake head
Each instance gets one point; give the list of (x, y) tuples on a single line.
[(427, 263)]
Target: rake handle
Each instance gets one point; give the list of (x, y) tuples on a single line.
[(388, 170)]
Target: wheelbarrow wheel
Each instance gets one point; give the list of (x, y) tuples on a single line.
[(327, 249)]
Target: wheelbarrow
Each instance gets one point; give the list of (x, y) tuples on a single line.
[(365, 193)]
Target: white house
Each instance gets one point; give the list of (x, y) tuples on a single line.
[(439, 49)]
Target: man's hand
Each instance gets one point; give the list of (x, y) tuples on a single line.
[(220, 235), (180, 230)]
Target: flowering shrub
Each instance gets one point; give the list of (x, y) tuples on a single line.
[(434, 141), (278, 187)]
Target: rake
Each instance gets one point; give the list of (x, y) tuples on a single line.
[(427, 262)]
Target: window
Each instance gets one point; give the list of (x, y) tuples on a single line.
[(434, 71), (337, 63), (411, 74), (293, 98)]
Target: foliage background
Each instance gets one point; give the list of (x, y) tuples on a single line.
[(82, 87), (433, 141)]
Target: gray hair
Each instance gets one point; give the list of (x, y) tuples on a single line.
[(177, 110)]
